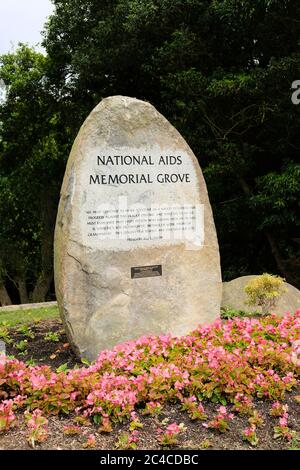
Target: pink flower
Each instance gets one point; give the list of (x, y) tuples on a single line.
[(134, 437), (247, 432), (283, 422), (222, 410), (7, 416), (232, 359), (91, 442), (173, 429)]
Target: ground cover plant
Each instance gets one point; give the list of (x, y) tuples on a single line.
[(233, 384)]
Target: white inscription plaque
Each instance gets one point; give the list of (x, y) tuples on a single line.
[(140, 198)]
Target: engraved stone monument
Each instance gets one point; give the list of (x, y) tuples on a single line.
[(136, 250)]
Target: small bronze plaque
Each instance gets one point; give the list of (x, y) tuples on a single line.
[(146, 271)]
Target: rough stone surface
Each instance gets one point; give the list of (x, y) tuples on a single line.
[(235, 297), (100, 303)]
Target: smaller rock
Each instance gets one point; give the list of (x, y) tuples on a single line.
[(235, 297)]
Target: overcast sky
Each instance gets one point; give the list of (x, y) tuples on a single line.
[(22, 21)]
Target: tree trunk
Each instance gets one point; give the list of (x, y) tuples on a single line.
[(42, 287), (4, 297), (48, 216), (245, 186), (21, 285)]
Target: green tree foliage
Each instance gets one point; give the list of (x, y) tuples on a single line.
[(31, 167), (220, 70)]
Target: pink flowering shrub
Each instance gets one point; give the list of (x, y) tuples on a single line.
[(37, 425), (250, 435), (169, 436), (221, 421), (243, 404), (71, 430), (283, 431), (135, 422), (7, 416), (127, 441), (256, 419), (106, 426), (195, 410), (230, 363), (152, 408), (279, 409), (90, 442)]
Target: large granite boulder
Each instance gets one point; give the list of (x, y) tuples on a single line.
[(136, 250)]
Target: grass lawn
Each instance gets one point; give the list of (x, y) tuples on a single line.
[(16, 317)]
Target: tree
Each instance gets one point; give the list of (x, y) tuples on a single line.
[(221, 71), (31, 165)]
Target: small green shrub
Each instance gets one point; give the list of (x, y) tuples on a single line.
[(52, 336), (295, 443), (21, 345), (26, 331), (4, 335), (264, 291)]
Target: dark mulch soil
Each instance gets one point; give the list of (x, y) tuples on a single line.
[(195, 437), (41, 350)]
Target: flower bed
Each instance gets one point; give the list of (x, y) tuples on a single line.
[(230, 363)]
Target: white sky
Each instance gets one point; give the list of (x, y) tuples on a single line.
[(22, 21)]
